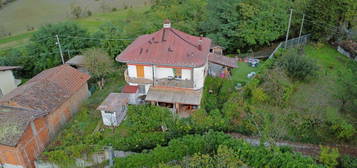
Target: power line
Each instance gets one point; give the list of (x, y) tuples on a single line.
[(92, 38)]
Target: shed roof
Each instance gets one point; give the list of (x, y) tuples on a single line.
[(48, 90), (222, 60), (114, 102), (171, 95), (6, 68), (13, 123), (78, 60), (167, 46), (129, 89)]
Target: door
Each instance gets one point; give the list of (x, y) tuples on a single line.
[(140, 71)]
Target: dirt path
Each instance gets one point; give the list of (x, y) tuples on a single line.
[(305, 149)]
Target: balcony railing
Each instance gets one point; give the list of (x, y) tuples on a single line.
[(136, 80), (167, 82), (174, 83)]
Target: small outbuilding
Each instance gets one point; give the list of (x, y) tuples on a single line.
[(219, 65), (78, 62), (7, 79), (114, 108)]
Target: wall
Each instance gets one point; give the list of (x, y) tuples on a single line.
[(199, 75), (30, 146), (65, 112), (7, 82)]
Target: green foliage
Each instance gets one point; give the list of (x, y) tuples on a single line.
[(259, 96), (296, 65), (348, 162), (138, 141), (44, 50), (146, 118), (236, 24), (347, 90), (18, 57), (328, 156), (229, 152), (98, 63), (329, 20)]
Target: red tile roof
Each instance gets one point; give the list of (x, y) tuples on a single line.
[(223, 60), (129, 89), (167, 46), (47, 90)]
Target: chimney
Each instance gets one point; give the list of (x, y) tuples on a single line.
[(200, 43), (167, 23)]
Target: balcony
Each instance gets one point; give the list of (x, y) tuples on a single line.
[(140, 81), (178, 83), (166, 82)]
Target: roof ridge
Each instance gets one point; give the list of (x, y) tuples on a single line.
[(183, 38)]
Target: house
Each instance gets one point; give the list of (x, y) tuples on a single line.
[(114, 108), (169, 67), (78, 62), (7, 79), (36, 111), (218, 64)]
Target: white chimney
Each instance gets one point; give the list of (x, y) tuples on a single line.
[(167, 23)]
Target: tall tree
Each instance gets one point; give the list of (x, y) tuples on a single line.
[(99, 65), (244, 23), (330, 18), (44, 48)]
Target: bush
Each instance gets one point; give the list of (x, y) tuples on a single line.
[(348, 162), (297, 67), (328, 156), (212, 142)]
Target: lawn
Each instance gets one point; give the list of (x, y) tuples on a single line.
[(240, 73)]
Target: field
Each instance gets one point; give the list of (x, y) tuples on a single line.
[(91, 23), (18, 15)]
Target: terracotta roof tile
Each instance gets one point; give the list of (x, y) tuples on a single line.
[(129, 89), (167, 46), (47, 90)]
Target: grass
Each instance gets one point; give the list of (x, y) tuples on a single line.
[(320, 93), (88, 118), (91, 23), (315, 98), (240, 73)]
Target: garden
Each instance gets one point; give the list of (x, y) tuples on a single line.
[(301, 95)]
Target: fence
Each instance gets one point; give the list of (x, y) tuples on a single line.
[(295, 42)]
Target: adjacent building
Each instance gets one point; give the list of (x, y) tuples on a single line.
[(32, 114), (7, 79), (169, 67)]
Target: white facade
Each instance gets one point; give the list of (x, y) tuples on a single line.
[(113, 118), (198, 75), (7, 82)]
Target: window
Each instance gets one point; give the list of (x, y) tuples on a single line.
[(178, 73), (108, 112)]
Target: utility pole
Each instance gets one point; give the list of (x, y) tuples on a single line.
[(287, 32), (302, 25), (60, 48)]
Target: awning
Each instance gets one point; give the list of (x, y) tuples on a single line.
[(171, 95), (222, 60)]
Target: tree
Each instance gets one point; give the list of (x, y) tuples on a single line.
[(99, 64), (44, 49), (297, 66), (76, 11), (328, 21), (236, 24)]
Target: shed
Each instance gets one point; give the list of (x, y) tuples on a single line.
[(114, 108), (218, 64), (78, 62)]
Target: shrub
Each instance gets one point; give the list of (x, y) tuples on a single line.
[(297, 67), (328, 156), (348, 162), (259, 96)]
